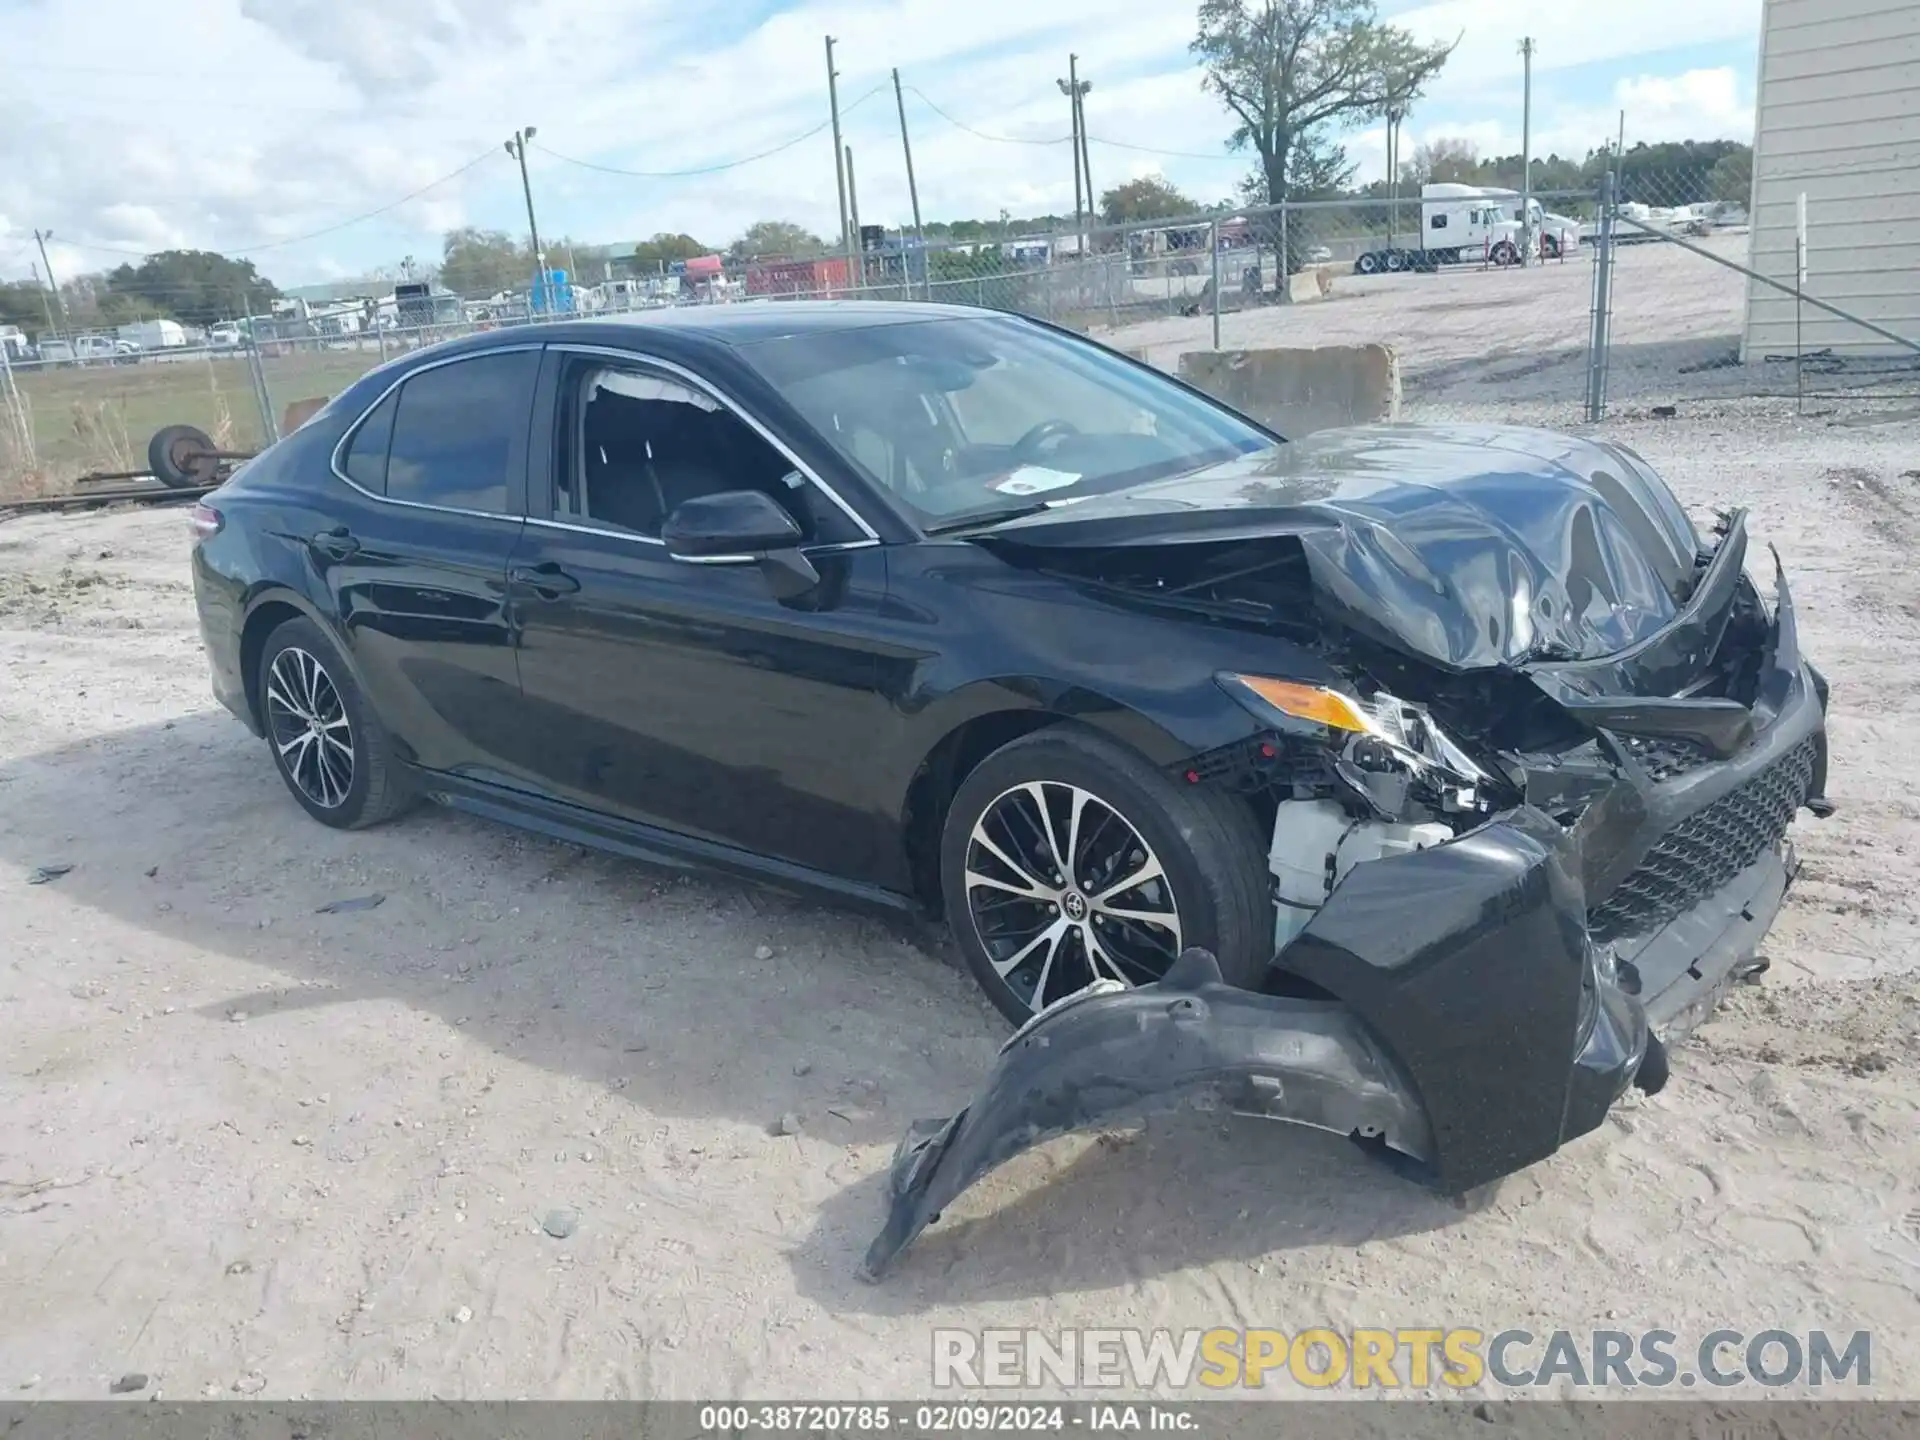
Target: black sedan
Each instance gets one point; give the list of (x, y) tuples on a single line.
[(1431, 772)]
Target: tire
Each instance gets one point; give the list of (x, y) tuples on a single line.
[(347, 791), (1211, 884), (1504, 254), (1396, 261), (172, 457), (1367, 264), (1550, 247)]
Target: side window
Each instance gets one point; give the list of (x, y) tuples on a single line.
[(642, 444), (366, 459), (1439, 222), (459, 432)]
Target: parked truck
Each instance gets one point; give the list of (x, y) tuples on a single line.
[(154, 334), (1460, 222)]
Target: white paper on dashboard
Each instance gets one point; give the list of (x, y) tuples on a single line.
[(1034, 479)]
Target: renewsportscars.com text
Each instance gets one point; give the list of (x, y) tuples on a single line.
[(1459, 1358)]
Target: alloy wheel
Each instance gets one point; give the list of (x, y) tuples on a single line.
[(309, 728), (1064, 890)]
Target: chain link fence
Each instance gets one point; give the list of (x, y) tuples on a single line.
[(1550, 309), (1705, 303)]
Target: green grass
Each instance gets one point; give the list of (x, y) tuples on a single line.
[(100, 417)]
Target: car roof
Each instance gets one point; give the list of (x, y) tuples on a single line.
[(739, 323)]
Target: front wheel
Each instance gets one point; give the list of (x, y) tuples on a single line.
[(1067, 859)]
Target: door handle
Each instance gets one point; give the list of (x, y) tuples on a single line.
[(337, 543), (547, 580)]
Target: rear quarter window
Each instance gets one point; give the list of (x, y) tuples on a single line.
[(365, 462), (459, 432)]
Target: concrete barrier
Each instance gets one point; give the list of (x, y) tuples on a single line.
[(1299, 391), (1313, 283)]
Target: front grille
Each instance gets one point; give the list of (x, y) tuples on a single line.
[(1665, 758), (1707, 849)]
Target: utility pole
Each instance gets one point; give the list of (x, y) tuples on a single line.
[(1070, 87), (1074, 87), (1396, 113), (45, 304), (859, 274), (517, 147), (848, 239), (1086, 164), (40, 238), (913, 191), (1526, 151)]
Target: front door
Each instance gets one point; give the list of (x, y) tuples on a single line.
[(687, 696)]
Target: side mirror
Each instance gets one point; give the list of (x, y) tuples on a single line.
[(747, 526), (732, 523)]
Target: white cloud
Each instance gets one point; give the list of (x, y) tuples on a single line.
[(1696, 105), (307, 113)]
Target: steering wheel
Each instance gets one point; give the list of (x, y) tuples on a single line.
[(1029, 444)]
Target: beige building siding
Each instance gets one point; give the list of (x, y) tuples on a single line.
[(1838, 119)]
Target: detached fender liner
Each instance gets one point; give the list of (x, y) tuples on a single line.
[(1097, 1058)]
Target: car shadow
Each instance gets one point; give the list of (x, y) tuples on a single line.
[(687, 997)]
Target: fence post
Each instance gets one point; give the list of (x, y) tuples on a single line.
[(1280, 273), (262, 395), (1599, 337), (1213, 244)]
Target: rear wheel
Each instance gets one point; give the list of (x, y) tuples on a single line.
[(1368, 263), (1396, 261), (335, 756), (1067, 859)]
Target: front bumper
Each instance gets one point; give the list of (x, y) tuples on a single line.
[(1492, 997)]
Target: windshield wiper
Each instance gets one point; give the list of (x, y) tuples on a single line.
[(989, 517)]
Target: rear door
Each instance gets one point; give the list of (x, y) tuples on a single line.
[(416, 558)]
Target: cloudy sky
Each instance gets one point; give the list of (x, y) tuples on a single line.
[(274, 127)]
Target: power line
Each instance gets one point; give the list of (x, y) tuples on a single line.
[(1151, 150), (1061, 139), (787, 144), (997, 139), (253, 248)]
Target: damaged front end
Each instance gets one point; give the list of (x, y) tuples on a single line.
[(1501, 887)]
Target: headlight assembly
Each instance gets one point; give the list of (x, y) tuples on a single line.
[(1386, 749)]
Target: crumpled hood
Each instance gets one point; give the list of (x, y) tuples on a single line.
[(1470, 546)]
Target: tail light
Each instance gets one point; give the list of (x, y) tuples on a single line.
[(206, 522)]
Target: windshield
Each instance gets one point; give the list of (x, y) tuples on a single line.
[(983, 415)]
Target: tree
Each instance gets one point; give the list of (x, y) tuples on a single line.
[(24, 303), (478, 263), (197, 286), (1289, 68), (776, 240), (1442, 160), (664, 249), (1676, 172), (1732, 177), (1148, 198)]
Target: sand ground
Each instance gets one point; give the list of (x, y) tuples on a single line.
[(250, 1148)]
